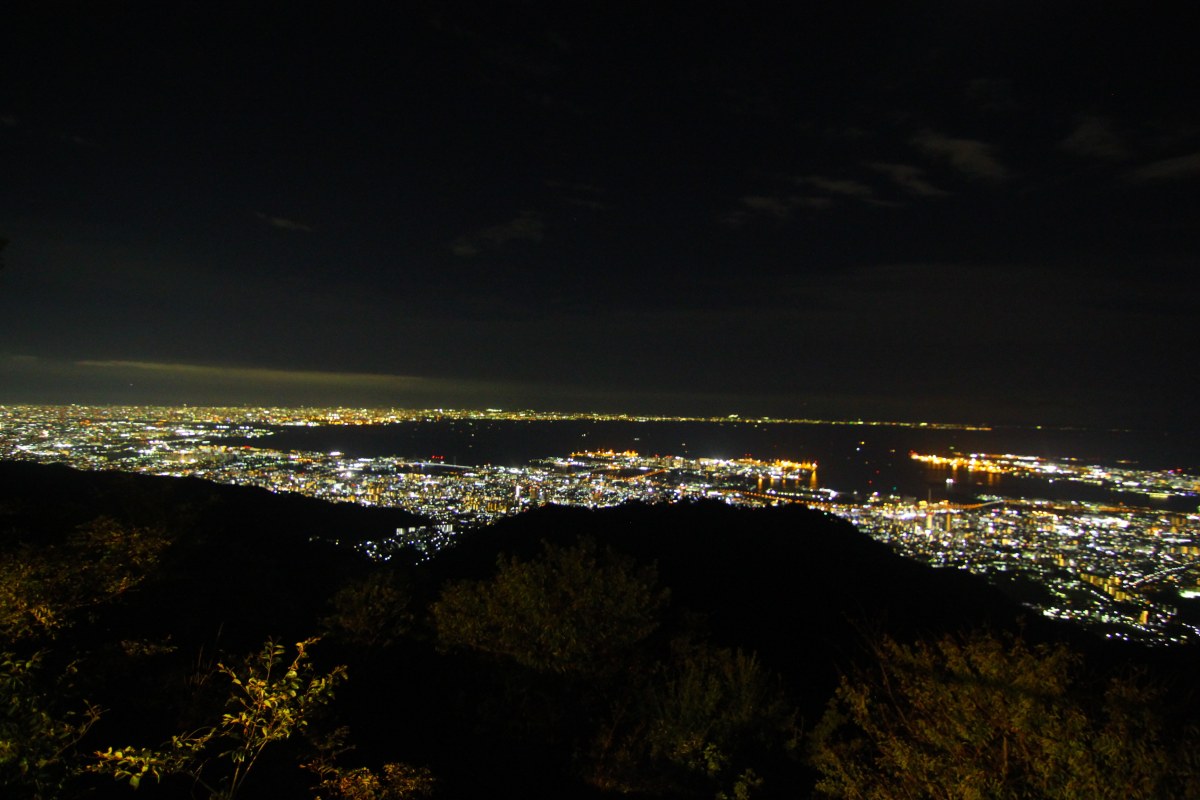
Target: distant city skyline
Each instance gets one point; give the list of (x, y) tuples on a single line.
[(1101, 541)]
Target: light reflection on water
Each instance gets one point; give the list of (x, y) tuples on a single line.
[(859, 459)]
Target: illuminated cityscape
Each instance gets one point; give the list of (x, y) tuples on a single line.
[(1123, 569)]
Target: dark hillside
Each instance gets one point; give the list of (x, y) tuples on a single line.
[(241, 559), (804, 589), (47, 497), (778, 601)]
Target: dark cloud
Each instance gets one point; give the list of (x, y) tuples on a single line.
[(993, 95), (846, 188), (1095, 137), (283, 223), (778, 207), (775, 207), (971, 157), (526, 227), (581, 195), (464, 248), (910, 178), (77, 141), (1169, 169), (133, 381)]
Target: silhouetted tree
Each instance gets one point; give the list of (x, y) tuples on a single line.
[(372, 611), (575, 610), (989, 717), (43, 586), (700, 726), (270, 699), (40, 725)]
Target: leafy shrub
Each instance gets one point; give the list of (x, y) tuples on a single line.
[(371, 612), (575, 610), (37, 738), (269, 701), (42, 588), (989, 717), (700, 722)]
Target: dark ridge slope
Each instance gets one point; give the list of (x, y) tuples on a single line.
[(243, 560), (806, 591), (803, 588), (49, 496)]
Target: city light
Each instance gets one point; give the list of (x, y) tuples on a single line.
[(1111, 566)]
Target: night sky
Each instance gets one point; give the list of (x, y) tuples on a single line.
[(968, 211)]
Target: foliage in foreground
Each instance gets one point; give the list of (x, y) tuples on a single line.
[(269, 701), (37, 739), (690, 722), (43, 587), (371, 612), (574, 610), (702, 723), (570, 677), (393, 782), (989, 717)]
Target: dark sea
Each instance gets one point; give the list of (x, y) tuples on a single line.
[(851, 458)]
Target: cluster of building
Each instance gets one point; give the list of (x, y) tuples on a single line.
[(1127, 571), (1131, 572), (1156, 483)]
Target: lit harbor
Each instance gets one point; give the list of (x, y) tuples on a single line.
[(1126, 570)]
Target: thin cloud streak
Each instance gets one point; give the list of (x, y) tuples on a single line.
[(971, 157), (1169, 169), (773, 207), (527, 227), (256, 374), (909, 178), (846, 188), (1094, 137), (283, 223)]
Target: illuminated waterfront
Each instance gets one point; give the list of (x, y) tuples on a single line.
[(1112, 545)]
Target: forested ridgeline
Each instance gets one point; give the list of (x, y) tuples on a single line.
[(194, 640)]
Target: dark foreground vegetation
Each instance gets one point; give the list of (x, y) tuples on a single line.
[(193, 641)]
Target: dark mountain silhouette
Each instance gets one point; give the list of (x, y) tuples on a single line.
[(782, 581), (52, 495), (242, 559), (804, 590)]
